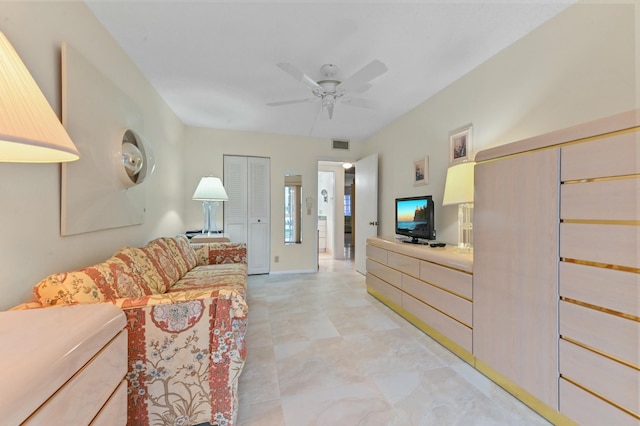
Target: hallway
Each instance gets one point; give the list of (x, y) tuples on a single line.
[(325, 259)]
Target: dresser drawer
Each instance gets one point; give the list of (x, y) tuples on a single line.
[(608, 288), (610, 334), (384, 289), (114, 412), (376, 253), (383, 272), (611, 380), (611, 156), (600, 200), (448, 303), (450, 328), (589, 410), (608, 244), (406, 264), (454, 281), (77, 402)]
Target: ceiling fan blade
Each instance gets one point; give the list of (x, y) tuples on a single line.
[(315, 120), (298, 75), (356, 102), (361, 89), (370, 71), (295, 101)]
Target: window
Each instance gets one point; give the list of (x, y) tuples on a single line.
[(347, 205)]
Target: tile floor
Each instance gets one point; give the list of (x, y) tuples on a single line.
[(321, 351)]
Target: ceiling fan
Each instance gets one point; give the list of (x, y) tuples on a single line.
[(329, 89)]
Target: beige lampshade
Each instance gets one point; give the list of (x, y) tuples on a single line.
[(210, 189), (30, 131), (458, 188)]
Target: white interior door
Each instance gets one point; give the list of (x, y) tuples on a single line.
[(247, 213), (236, 209), (258, 194), (366, 209)]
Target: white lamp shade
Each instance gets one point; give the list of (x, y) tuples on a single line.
[(458, 188), (30, 131), (210, 189)]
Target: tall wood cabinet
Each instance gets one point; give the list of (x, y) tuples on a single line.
[(515, 256), (556, 288), (247, 213)]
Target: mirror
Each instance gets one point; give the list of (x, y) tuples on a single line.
[(292, 209)]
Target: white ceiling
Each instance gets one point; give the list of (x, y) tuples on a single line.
[(214, 62)]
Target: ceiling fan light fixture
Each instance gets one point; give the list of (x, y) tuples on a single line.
[(329, 89), (329, 86), (329, 106), (329, 70)]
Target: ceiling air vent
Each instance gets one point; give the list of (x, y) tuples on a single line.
[(341, 144)]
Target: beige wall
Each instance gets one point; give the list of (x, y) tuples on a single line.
[(289, 155), (31, 246), (580, 66)]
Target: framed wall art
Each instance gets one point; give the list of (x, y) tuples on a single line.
[(460, 144), (421, 171)]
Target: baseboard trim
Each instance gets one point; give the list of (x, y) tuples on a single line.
[(526, 398), (294, 271)]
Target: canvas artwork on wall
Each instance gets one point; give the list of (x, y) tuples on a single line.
[(96, 114)]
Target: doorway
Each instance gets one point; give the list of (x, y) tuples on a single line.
[(349, 211), (246, 215), (336, 208)]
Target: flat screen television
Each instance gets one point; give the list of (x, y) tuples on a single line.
[(414, 218)]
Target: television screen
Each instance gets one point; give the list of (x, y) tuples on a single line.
[(414, 217)]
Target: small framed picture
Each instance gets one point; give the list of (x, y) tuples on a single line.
[(460, 144), (421, 171)]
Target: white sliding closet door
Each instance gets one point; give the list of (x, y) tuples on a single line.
[(247, 213), (235, 209), (259, 225)]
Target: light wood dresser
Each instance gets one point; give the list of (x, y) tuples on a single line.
[(549, 306), (63, 365), (429, 286)]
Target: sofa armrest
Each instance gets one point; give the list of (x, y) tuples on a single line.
[(238, 303), (27, 305), (218, 253), (191, 342)]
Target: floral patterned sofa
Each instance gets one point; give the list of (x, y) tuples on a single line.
[(186, 317)]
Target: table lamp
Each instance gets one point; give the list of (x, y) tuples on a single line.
[(210, 191), (30, 131), (458, 189)]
